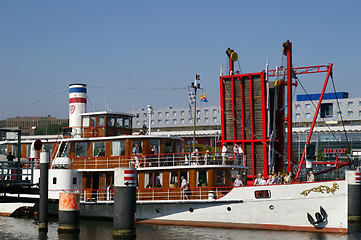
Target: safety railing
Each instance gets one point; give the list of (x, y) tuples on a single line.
[(156, 160), (16, 171), (158, 194)]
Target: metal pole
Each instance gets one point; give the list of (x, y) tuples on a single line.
[(194, 115), (43, 202), (125, 183)]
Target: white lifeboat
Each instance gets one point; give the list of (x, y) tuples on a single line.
[(61, 162)]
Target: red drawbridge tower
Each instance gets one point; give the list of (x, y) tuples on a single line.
[(256, 116)]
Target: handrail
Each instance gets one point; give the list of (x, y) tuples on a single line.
[(157, 194), (154, 160)]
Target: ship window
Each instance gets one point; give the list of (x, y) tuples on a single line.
[(64, 149), (111, 121), (127, 123), (118, 148), (202, 178), (86, 121), (158, 179), (156, 144), (148, 180), (88, 181), (220, 177), (101, 120), (81, 149), (28, 149), (173, 179), (74, 180), (262, 194), (140, 149), (47, 148), (119, 122), (98, 149), (169, 147), (54, 180), (92, 121)]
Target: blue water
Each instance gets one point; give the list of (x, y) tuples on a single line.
[(13, 228)]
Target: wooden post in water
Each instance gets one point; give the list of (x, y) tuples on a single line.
[(44, 185), (125, 183)]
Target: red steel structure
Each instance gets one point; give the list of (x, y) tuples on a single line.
[(244, 113)]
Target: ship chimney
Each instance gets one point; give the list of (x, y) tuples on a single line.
[(77, 105)]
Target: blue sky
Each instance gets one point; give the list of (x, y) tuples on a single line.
[(47, 45)]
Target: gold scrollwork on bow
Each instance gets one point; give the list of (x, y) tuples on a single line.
[(322, 189)]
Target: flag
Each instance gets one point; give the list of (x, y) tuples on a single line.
[(190, 111), (203, 98), (192, 97)]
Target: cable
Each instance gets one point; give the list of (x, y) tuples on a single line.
[(30, 104), (120, 88)]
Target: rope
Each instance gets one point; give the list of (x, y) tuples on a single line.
[(324, 121), (137, 89), (33, 103)]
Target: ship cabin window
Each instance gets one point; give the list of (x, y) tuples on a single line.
[(54, 180), (101, 120), (47, 147), (85, 121), (14, 150), (140, 143), (153, 180), (169, 147), (88, 181), (111, 121), (175, 176), (28, 147), (119, 122), (74, 180), (64, 149), (127, 123), (262, 194), (92, 121), (156, 144), (220, 177), (80, 149), (3, 150), (118, 148), (202, 178), (99, 149)]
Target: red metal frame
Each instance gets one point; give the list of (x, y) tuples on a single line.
[(289, 106), (314, 119), (265, 139)]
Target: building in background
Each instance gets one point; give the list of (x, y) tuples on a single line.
[(337, 129), (29, 124), (179, 122)]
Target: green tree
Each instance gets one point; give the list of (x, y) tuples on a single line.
[(51, 129), (320, 155)]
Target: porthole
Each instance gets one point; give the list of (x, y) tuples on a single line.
[(157, 210), (191, 209), (271, 207), (229, 209)]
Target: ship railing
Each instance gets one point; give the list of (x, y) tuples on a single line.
[(16, 171), (154, 160), (99, 195), (158, 194), (195, 193)]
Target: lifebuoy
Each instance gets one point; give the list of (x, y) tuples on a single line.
[(94, 132)]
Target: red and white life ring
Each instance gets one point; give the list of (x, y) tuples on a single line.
[(94, 132)]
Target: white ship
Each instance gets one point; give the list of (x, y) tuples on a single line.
[(253, 116)]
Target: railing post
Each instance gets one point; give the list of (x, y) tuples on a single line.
[(158, 160), (153, 195), (173, 160)]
